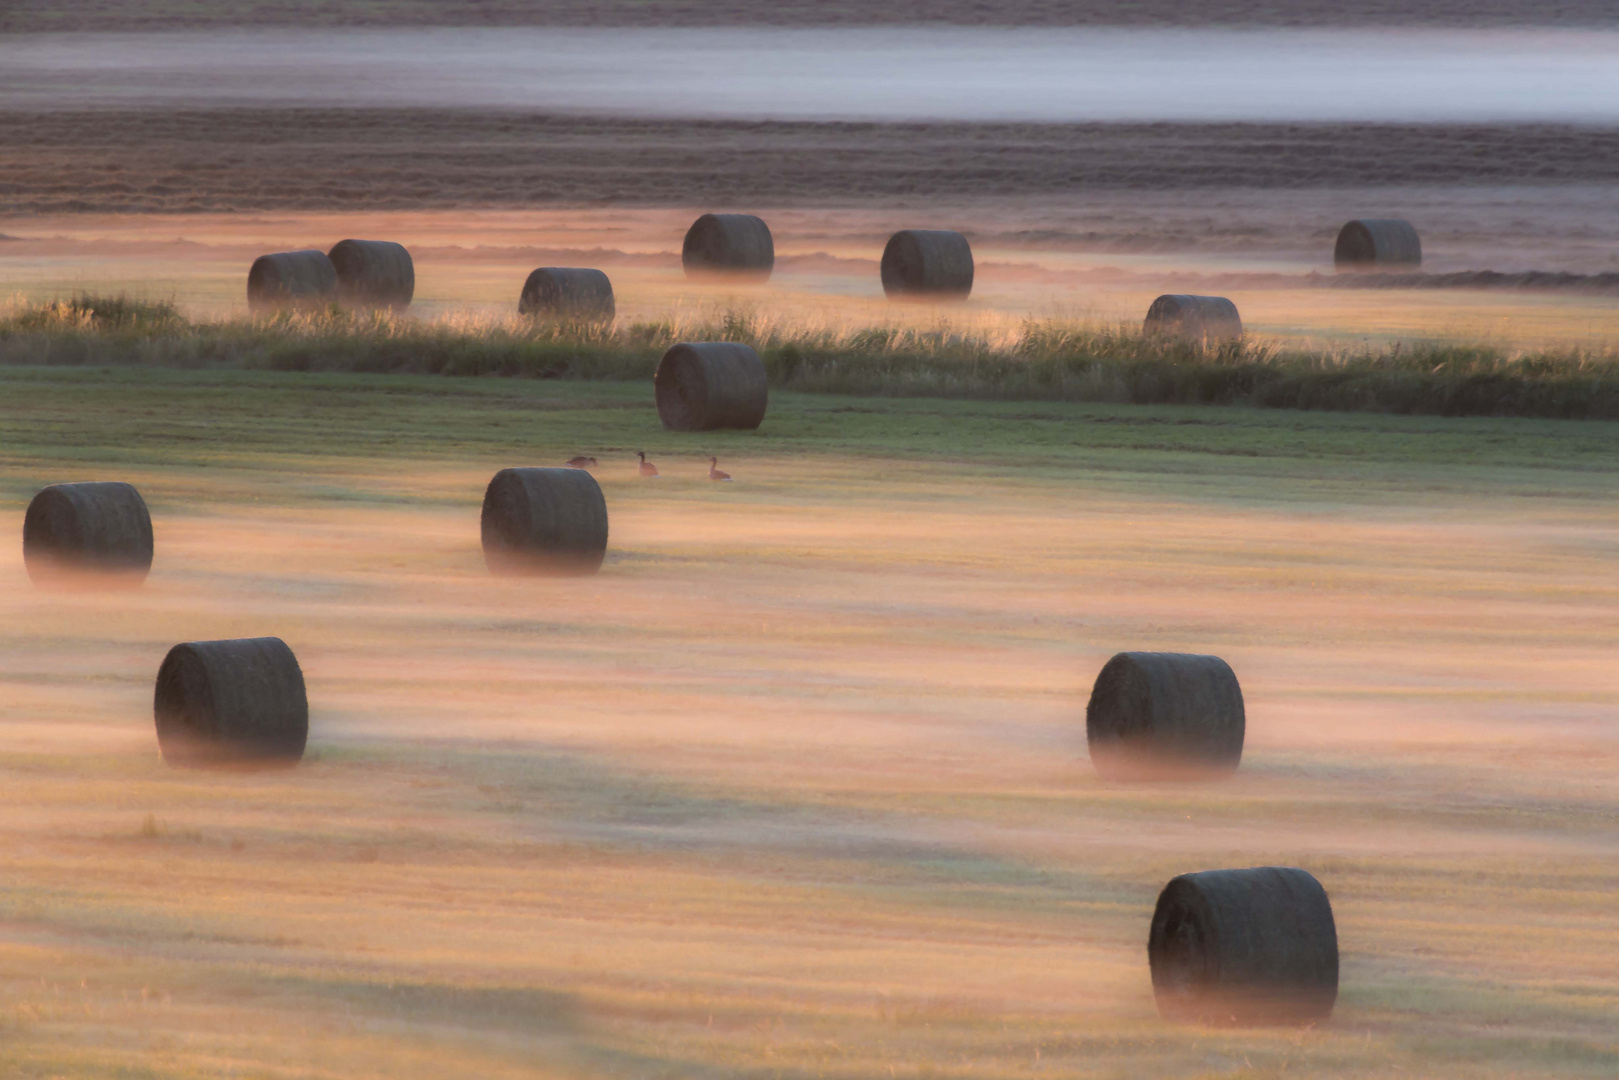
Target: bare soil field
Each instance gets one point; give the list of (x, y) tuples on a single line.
[(346, 159), (174, 14)]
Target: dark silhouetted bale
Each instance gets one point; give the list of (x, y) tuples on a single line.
[(373, 273), (1378, 242), (730, 245), (704, 385), (544, 521), (1209, 318), (1244, 947), (235, 703), (568, 293), (1163, 716), (73, 531), (934, 264), (291, 279)]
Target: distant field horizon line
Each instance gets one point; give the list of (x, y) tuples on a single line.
[(868, 73)]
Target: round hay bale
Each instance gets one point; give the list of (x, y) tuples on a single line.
[(544, 521), (736, 246), (373, 273), (234, 703), (704, 385), (567, 292), (1377, 242), (291, 279), (1165, 716), (1244, 947), (1208, 318), (934, 264), (96, 532)]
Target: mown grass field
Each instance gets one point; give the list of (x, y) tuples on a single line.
[(796, 787)]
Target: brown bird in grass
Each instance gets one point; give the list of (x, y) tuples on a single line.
[(714, 472), (647, 468), (579, 461)]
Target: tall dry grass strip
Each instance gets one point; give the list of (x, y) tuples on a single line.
[(1165, 716), (291, 279), (734, 246), (705, 385), (1200, 318), (90, 533), (1377, 242), (373, 273), (933, 264), (544, 522), (238, 703), (1244, 947), (566, 292), (1035, 360)]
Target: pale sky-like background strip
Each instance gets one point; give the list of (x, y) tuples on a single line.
[(848, 73)]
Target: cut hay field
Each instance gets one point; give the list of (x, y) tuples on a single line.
[(1101, 259), (797, 786)]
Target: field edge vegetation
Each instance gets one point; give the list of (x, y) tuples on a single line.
[(1042, 360)]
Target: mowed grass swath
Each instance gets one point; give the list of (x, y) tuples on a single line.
[(1037, 359), (797, 783)]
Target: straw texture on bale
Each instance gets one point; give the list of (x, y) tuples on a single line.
[(704, 385), (1163, 716), (373, 273), (1378, 242), (544, 521), (101, 529), (1210, 318), (732, 245), (291, 279), (930, 263), (234, 703), (1244, 947), (568, 292)]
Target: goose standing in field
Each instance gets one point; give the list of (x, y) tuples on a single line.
[(647, 468), (580, 461), (714, 472)]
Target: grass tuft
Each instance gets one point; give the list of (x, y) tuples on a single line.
[(99, 314)]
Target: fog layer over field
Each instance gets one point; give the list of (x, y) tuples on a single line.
[(865, 73)]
